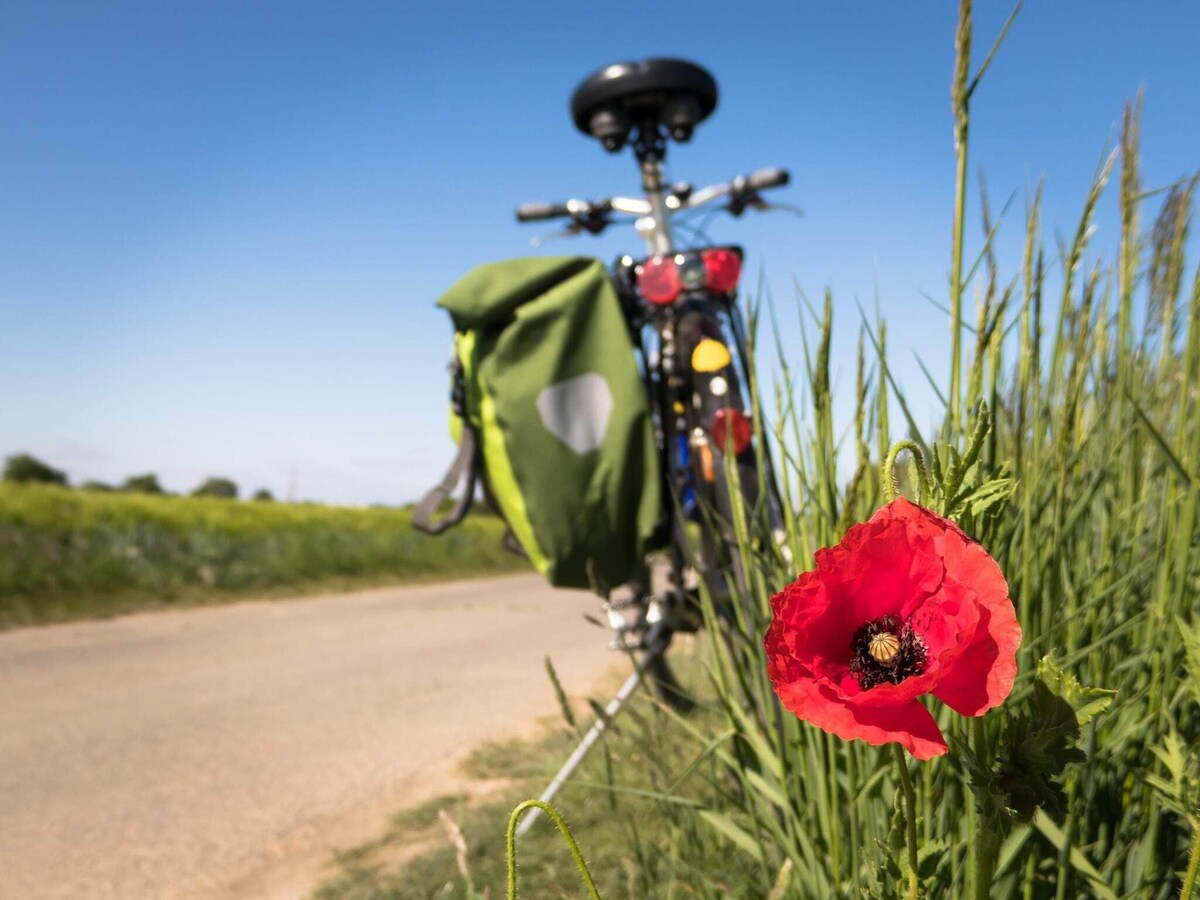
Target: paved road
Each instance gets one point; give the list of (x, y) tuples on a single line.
[(222, 752)]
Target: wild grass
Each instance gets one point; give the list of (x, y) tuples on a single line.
[(1086, 373), (1093, 395), (67, 554)]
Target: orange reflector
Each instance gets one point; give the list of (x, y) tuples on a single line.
[(706, 463), (710, 356)]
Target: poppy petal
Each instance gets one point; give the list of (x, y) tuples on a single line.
[(983, 675), (911, 564), (909, 724)]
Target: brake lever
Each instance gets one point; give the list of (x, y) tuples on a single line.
[(592, 219), (763, 206), (570, 231), (741, 197)]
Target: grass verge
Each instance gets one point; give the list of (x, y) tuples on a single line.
[(68, 554), (626, 806)]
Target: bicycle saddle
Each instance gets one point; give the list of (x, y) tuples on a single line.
[(672, 93)]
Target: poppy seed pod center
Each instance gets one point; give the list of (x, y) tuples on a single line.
[(886, 650)]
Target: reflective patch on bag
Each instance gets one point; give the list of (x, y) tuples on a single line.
[(576, 411)]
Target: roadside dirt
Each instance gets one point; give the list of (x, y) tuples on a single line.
[(225, 752)]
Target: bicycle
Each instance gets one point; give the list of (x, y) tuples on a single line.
[(680, 304)]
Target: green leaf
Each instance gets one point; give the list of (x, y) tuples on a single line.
[(980, 499), (734, 833), (931, 856), (1036, 746), (1191, 648), (1171, 753), (1010, 850), (897, 841), (1087, 702), (1180, 791), (749, 731), (1081, 863), (1185, 476), (766, 789)]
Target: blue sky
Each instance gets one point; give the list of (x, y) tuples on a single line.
[(224, 225)]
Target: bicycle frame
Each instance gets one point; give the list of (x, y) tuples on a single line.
[(642, 105), (654, 212), (691, 405), (655, 226)]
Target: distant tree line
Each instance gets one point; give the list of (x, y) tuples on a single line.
[(24, 468)]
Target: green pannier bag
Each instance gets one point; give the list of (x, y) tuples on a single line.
[(550, 412)]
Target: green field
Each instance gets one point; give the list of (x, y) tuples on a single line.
[(68, 554)]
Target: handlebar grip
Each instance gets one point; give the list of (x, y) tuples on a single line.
[(767, 178), (535, 212)]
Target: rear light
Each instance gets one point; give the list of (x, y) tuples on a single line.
[(724, 267), (731, 425), (658, 280)]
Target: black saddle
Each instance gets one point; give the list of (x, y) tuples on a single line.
[(648, 96)]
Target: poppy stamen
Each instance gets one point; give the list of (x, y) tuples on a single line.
[(886, 650)]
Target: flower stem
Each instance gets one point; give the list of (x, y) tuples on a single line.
[(1193, 867), (566, 833), (985, 841), (889, 477), (910, 815), (986, 855)]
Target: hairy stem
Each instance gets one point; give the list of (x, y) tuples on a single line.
[(924, 495), (566, 833), (1193, 867), (910, 816)]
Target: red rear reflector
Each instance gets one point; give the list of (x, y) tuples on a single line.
[(724, 267), (729, 424), (658, 280)]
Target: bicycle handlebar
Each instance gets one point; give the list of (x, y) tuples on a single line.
[(767, 178), (535, 212), (739, 190)]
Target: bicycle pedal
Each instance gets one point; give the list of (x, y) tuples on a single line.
[(628, 643)]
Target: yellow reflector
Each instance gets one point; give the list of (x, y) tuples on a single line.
[(679, 408), (710, 356)]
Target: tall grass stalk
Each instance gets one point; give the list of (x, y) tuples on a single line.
[(1094, 400), (960, 97)]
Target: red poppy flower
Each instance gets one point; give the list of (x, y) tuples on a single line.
[(905, 605)]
